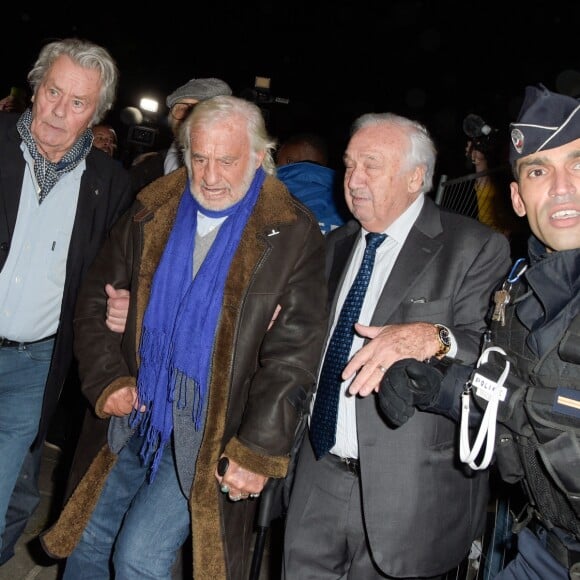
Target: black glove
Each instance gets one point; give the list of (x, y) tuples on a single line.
[(408, 383), (511, 410)]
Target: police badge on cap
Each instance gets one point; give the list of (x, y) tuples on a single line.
[(546, 120)]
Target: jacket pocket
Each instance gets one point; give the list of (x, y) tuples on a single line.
[(561, 457), (421, 309)]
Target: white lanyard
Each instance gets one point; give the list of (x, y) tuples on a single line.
[(492, 392)]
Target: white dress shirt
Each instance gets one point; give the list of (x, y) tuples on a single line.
[(346, 437)]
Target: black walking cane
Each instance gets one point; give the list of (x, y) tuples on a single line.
[(273, 499), (263, 519)]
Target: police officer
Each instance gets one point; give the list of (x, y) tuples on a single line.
[(524, 395)]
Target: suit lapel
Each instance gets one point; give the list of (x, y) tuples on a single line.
[(11, 176), (342, 255), (83, 225), (419, 249)]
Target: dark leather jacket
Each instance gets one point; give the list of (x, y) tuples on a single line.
[(258, 372)]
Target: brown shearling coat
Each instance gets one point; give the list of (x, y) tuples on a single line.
[(256, 372)]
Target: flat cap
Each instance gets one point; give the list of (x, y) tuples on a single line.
[(546, 120), (199, 89)]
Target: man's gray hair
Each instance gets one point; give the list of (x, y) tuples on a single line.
[(422, 150), (87, 55), (223, 107)]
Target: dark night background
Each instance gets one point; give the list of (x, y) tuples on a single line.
[(435, 61)]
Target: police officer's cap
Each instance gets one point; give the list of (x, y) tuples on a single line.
[(546, 120)]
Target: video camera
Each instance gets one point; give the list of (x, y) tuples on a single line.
[(141, 135), (261, 95), (481, 134)]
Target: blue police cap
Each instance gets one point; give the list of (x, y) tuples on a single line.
[(546, 120)]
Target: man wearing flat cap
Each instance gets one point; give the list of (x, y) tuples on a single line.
[(150, 166), (526, 386)]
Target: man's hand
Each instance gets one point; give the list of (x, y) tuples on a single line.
[(122, 402), (10, 104), (239, 483), (117, 308), (406, 384), (388, 345)]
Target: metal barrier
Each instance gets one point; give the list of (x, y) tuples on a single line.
[(485, 197), (475, 195)]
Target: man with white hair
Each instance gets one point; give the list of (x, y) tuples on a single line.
[(197, 403), (180, 102)]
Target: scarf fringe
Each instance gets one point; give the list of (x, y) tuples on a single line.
[(185, 384), (155, 439), (154, 357)]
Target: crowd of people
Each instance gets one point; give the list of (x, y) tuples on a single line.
[(239, 328)]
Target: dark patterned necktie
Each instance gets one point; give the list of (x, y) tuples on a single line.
[(323, 420)]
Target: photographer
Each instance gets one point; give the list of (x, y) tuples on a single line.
[(484, 149), (149, 166), (523, 396)]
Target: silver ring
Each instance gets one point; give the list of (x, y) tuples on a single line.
[(382, 369), (224, 488), (254, 495), (236, 497)]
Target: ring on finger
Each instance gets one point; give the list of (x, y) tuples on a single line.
[(235, 497), (254, 495), (224, 488)]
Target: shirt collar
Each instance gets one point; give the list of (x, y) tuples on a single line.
[(400, 228)]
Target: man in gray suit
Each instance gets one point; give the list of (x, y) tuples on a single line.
[(382, 502)]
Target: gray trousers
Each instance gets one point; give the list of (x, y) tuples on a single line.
[(325, 537)]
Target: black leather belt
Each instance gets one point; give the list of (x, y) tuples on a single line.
[(6, 343), (348, 463)]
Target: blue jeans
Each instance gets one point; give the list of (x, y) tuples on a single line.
[(23, 372), (23, 503), (137, 527)]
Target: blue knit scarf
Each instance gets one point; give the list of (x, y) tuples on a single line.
[(181, 318)]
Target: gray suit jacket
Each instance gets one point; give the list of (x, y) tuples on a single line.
[(422, 508)]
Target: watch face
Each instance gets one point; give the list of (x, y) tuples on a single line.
[(444, 339)]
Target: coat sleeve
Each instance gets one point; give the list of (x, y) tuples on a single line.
[(102, 364), (488, 264), (282, 385)]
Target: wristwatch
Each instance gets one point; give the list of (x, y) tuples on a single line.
[(444, 340)]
